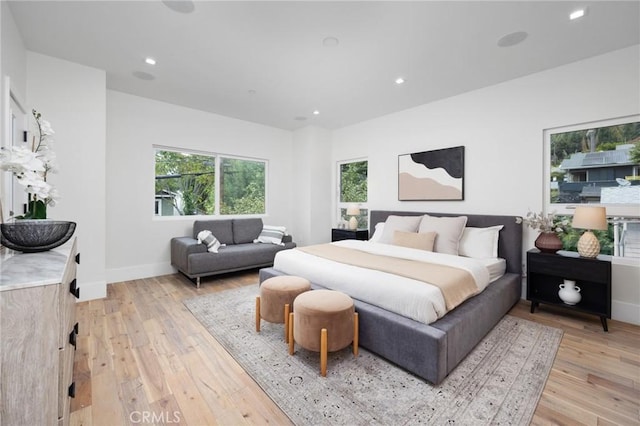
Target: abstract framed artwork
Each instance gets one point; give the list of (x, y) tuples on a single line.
[(435, 175)]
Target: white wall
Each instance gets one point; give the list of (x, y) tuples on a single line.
[(72, 98), (312, 194), (501, 128), (13, 53), (137, 242), (13, 71)]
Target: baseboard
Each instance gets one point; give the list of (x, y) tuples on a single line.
[(93, 290), (138, 272), (626, 312)]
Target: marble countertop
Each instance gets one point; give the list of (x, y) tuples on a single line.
[(22, 270)]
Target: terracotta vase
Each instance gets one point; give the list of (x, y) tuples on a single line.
[(548, 242)]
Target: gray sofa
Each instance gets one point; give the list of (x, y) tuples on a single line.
[(192, 258)]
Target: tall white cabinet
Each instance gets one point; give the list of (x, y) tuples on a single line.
[(38, 292)]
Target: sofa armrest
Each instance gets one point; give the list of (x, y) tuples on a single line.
[(287, 239), (181, 248)]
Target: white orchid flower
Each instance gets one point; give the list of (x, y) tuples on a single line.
[(49, 159), (31, 166), (19, 159), (45, 128), (39, 188)]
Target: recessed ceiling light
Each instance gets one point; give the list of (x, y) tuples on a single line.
[(577, 14), (512, 39), (252, 92), (400, 80), (181, 6), (330, 42), (316, 112), (150, 61)]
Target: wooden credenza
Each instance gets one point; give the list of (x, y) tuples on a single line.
[(38, 292)]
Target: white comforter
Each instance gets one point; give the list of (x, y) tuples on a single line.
[(407, 297)]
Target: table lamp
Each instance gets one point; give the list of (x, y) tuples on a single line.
[(353, 211), (589, 218)]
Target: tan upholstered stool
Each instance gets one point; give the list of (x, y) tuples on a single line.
[(276, 298), (323, 321)]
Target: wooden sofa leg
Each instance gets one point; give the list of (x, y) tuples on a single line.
[(197, 282)]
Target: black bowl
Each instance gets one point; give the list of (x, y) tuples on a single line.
[(31, 236)]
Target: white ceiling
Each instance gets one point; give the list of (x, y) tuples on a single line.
[(265, 61)]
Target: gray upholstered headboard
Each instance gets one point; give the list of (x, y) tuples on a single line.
[(509, 240)]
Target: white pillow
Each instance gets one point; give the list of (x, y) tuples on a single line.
[(449, 230), (481, 243), (377, 233), (208, 239), (398, 223), (271, 234)]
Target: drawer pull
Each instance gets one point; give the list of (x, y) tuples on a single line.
[(78, 258), (73, 339), (73, 289), (72, 390)]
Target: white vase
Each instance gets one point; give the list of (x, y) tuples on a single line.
[(569, 292)]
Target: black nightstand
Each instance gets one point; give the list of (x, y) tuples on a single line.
[(348, 234), (545, 272)]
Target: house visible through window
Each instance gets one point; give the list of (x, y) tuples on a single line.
[(190, 183), (598, 163), (352, 190)]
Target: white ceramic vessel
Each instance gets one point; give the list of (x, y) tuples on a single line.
[(569, 292)]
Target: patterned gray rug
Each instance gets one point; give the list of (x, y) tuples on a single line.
[(499, 382)]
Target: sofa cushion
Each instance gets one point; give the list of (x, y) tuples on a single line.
[(221, 229), (271, 235), (234, 257), (246, 230)]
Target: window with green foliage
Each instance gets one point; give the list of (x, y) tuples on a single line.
[(190, 183), (242, 186), (353, 187), (185, 183)]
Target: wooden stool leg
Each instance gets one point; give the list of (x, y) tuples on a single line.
[(323, 352), (355, 333), (291, 333), (286, 322), (258, 314)]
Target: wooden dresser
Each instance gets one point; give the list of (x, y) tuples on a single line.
[(38, 333)]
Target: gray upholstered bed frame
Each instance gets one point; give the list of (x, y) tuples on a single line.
[(433, 351)]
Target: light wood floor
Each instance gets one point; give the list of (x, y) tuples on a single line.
[(142, 358)]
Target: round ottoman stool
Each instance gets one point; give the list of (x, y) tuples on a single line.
[(276, 298), (323, 321)]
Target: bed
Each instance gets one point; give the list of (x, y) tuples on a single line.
[(431, 351)]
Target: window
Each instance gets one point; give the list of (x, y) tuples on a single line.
[(242, 186), (191, 183), (597, 163), (352, 190)]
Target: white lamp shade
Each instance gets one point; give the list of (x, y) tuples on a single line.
[(591, 217), (353, 210)]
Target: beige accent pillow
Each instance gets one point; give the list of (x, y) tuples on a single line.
[(414, 240), (398, 223), (449, 230)]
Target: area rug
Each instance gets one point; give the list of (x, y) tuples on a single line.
[(499, 382)]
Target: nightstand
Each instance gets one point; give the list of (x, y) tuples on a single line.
[(348, 234), (545, 273)]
